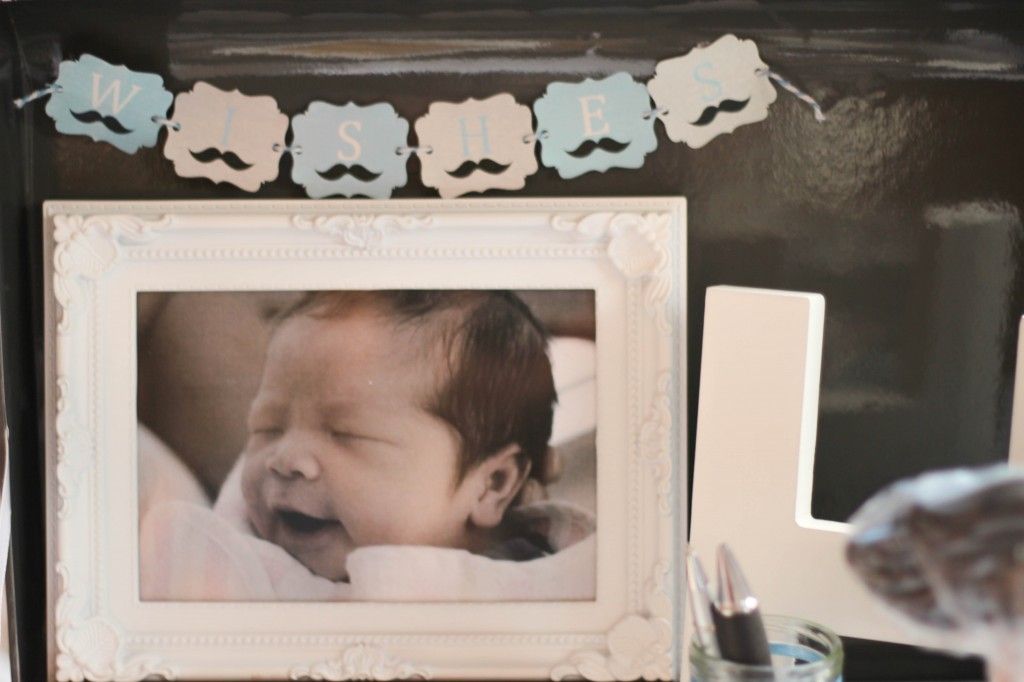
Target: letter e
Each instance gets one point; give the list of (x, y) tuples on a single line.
[(590, 115)]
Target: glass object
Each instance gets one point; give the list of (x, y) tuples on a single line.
[(801, 651)]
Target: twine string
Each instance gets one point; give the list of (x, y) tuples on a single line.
[(40, 93), (412, 149), (293, 149), (656, 112), (160, 120), (786, 85)]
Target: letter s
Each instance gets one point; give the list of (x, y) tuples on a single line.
[(357, 149), (712, 86)]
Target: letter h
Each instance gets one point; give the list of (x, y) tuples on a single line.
[(466, 135)]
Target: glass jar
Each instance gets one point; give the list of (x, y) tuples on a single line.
[(801, 651)]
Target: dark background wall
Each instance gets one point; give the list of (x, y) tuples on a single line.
[(904, 209)]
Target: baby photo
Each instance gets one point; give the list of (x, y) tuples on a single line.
[(384, 445)]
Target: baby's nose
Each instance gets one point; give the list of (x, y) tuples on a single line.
[(293, 460)]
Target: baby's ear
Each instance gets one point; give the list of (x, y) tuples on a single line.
[(498, 479)]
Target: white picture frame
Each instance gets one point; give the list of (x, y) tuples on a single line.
[(631, 252)]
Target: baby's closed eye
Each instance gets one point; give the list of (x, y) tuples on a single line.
[(353, 437), (266, 418), (343, 436), (349, 436), (265, 426)]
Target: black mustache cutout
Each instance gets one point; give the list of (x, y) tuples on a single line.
[(590, 146), (729, 106), (109, 122), (487, 166), (212, 154), (340, 170)]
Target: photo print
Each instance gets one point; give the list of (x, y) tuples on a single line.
[(367, 445)]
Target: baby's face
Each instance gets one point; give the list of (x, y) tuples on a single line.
[(341, 453)]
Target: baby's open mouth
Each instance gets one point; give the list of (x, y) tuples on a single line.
[(304, 524)]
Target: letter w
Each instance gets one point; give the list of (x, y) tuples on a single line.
[(113, 91)]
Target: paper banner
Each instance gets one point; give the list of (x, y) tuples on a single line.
[(108, 103), (712, 90), (476, 145), (226, 136), (472, 146), (595, 125), (349, 150)]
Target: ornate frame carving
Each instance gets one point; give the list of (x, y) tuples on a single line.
[(632, 251)]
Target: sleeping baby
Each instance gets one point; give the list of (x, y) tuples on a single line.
[(393, 444)]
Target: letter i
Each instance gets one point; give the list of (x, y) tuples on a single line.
[(227, 127)]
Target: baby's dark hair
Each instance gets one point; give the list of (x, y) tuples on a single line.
[(498, 387)]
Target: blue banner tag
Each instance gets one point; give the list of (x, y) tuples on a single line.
[(595, 125), (109, 103), (349, 150)]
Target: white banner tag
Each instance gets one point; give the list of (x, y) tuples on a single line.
[(476, 145), (226, 136), (712, 90)]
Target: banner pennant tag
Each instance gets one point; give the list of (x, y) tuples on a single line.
[(349, 150), (108, 103), (712, 90), (226, 136), (595, 125), (476, 145)]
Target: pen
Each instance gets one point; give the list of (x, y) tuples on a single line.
[(737, 616), (700, 604)]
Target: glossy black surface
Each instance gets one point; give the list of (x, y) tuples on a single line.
[(904, 209)]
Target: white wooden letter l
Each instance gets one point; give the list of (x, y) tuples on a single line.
[(753, 472)]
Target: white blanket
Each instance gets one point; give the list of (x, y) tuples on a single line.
[(192, 553)]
